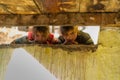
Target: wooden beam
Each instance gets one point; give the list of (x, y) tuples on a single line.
[(58, 6), (18, 7), (58, 19), (57, 12)]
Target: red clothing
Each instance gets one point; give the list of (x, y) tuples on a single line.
[(50, 39), (30, 36)]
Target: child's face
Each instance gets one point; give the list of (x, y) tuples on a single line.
[(70, 36), (40, 37)]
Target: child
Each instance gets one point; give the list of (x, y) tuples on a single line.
[(71, 35), (28, 39), (37, 34), (42, 35)]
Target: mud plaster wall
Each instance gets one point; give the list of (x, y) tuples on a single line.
[(77, 65)]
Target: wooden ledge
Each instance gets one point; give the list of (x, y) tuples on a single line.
[(83, 48)]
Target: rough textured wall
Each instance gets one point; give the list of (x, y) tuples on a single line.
[(77, 65)]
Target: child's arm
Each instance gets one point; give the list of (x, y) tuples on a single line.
[(22, 40), (85, 38)]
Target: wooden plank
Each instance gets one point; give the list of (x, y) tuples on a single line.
[(49, 6), (57, 6), (109, 18), (28, 19), (84, 5), (69, 5), (92, 18), (58, 19), (99, 5), (12, 7), (83, 18)]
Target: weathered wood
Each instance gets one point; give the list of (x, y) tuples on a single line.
[(58, 19), (69, 5), (59, 12), (51, 6), (56, 6), (28, 19), (18, 7), (82, 48)]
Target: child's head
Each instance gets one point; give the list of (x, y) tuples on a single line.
[(41, 33), (69, 33)]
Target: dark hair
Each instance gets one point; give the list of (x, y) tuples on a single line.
[(41, 29), (64, 29)]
